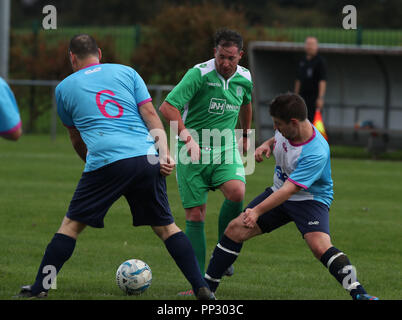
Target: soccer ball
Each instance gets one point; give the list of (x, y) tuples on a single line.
[(133, 277)]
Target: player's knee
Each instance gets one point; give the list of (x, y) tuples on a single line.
[(71, 228), (235, 231), (318, 242), (196, 214), (319, 250), (165, 232), (237, 194)]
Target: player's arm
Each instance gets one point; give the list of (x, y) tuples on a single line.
[(10, 120), (172, 115), (251, 215), (308, 170), (13, 136), (245, 117), (173, 107), (322, 87), (156, 129), (65, 116), (298, 80), (322, 84), (78, 144), (297, 86)]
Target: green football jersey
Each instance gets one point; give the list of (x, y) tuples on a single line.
[(206, 100)]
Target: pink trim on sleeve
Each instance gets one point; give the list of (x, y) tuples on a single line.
[(298, 184), (144, 102), (13, 129)]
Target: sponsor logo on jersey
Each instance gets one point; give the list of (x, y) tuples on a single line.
[(239, 91), (280, 174), (214, 84), (231, 107), (93, 70), (218, 106), (313, 223)]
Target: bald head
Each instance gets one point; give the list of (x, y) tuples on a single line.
[(83, 51), (83, 45)]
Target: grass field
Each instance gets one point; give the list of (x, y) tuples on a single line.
[(37, 180)]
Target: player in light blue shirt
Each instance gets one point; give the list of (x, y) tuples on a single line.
[(10, 120), (113, 127), (302, 193), (102, 102), (307, 165)]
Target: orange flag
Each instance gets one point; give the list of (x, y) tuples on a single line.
[(319, 124)]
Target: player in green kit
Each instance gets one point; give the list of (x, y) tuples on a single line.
[(204, 108)]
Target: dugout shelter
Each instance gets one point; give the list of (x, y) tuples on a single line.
[(363, 103)]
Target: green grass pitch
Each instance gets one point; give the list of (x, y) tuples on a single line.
[(38, 177)]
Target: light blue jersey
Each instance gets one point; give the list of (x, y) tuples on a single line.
[(102, 102), (307, 165), (10, 120)]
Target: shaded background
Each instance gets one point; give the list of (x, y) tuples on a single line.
[(162, 39)]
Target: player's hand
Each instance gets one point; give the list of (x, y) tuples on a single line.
[(261, 151), (250, 218), (193, 150), (319, 104), (167, 165)]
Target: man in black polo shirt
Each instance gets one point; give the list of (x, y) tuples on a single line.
[(311, 78)]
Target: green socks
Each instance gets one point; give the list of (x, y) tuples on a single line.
[(196, 233), (195, 230), (229, 211)]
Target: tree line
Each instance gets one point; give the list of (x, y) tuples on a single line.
[(377, 14)]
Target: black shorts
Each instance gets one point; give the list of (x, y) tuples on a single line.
[(135, 178), (308, 215)]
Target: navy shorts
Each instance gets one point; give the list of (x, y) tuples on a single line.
[(308, 215), (139, 181)]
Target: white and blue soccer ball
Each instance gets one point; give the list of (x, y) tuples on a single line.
[(134, 277)]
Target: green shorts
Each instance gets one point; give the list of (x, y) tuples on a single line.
[(215, 167)]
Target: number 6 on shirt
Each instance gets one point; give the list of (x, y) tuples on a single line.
[(102, 106)]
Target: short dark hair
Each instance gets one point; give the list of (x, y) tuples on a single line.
[(83, 45), (288, 106), (227, 38)]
